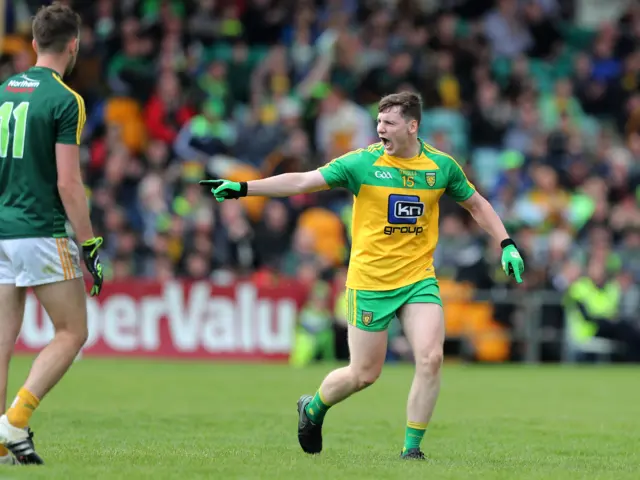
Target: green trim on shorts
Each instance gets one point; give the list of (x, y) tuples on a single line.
[(374, 310)]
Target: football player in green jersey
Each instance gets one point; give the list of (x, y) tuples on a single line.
[(41, 187)]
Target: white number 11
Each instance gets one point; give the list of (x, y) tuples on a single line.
[(19, 128)]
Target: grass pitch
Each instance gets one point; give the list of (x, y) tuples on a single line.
[(142, 419)]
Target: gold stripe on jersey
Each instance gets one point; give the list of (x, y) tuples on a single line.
[(420, 162), (373, 148), (435, 151), (82, 114)]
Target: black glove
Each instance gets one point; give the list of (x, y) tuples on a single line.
[(92, 261)]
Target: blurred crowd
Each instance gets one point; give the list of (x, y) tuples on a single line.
[(543, 113)]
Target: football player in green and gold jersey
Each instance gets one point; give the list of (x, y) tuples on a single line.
[(397, 184)]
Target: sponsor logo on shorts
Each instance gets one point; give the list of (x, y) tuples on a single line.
[(430, 178), (367, 318)]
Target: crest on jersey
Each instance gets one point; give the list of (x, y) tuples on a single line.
[(367, 317), (430, 177)]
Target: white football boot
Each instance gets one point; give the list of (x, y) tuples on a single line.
[(19, 441)]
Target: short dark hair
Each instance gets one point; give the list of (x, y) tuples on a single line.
[(410, 104), (54, 26)]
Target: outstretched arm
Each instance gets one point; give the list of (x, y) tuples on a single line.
[(335, 174), (284, 185), (287, 184)]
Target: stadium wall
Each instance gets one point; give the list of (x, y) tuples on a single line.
[(180, 320), (244, 321)]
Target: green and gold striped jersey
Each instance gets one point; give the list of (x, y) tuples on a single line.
[(395, 213)]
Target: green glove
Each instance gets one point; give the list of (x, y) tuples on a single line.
[(512, 263), (92, 261), (225, 190)]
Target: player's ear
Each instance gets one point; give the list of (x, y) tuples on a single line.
[(34, 45), (73, 46), (413, 126)]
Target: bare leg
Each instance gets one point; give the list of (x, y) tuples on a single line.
[(368, 351), (12, 299), (424, 327), (65, 303)]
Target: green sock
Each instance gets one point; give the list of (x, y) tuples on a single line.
[(316, 409), (413, 435)]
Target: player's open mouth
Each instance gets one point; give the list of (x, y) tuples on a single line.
[(385, 142)]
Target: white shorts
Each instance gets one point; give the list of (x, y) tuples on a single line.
[(27, 262)]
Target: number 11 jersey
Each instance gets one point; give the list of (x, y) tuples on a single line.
[(37, 111)]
